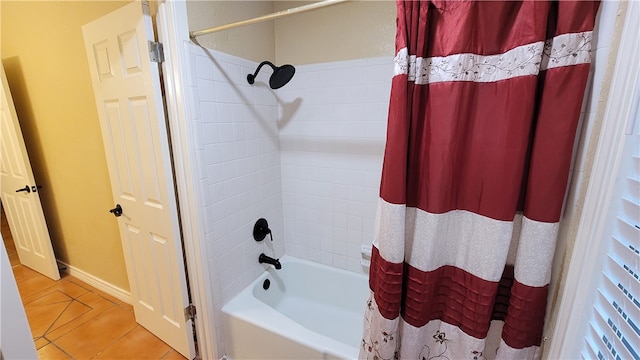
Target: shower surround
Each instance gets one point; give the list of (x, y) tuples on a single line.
[(307, 157)]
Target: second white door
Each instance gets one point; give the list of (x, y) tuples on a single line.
[(20, 197), (129, 101)]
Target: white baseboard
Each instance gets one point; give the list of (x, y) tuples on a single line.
[(98, 283)]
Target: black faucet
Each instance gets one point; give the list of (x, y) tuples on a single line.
[(269, 260)]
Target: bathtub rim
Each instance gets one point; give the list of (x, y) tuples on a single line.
[(246, 307)]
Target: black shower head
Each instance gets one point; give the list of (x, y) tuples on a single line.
[(280, 77)]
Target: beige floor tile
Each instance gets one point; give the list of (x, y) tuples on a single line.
[(97, 305), (52, 352), (78, 282), (139, 343), (32, 304), (48, 298), (106, 296), (95, 301), (30, 282), (40, 342), (69, 287), (173, 355), (113, 299), (42, 316), (94, 336), (55, 334), (71, 313)]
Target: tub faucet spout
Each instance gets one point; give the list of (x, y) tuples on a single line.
[(269, 260)]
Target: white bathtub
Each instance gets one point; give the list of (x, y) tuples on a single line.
[(310, 311)]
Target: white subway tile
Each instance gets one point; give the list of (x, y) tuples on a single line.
[(225, 131), (227, 152), (340, 234), (204, 68), (326, 258), (356, 208), (240, 149), (195, 103), (209, 133), (340, 261), (222, 92), (341, 222), (359, 95), (313, 242), (217, 192), (208, 112), (340, 205), (355, 236), (192, 78), (200, 164), (326, 244), (212, 154), (339, 247), (225, 112), (354, 223), (354, 265), (206, 90)]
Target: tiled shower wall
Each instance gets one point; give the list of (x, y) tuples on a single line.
[(307, 157), (313, 149), (237, 147), (332, 133)]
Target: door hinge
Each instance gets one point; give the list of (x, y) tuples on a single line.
[(156, 52), (190, 312)]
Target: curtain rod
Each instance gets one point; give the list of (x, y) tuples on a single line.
[(259, 19)]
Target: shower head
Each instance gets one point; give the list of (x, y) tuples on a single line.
[(280, 77)]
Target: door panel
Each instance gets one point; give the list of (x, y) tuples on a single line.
[(23, 208), (129, 102)]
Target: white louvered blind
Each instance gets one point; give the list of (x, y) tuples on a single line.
[(614, 324)]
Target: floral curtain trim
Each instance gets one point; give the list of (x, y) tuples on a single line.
[(524, 60)]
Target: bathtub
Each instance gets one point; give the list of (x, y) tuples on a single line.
[(309, 311)]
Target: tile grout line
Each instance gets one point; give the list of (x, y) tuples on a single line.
[(59, 315), (115, 341), (61, 349)]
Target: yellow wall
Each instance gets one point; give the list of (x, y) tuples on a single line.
[(253, 42), (43, 53), (351, 30), (345, 31)]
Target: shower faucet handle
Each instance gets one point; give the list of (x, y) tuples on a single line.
[(261, 229)]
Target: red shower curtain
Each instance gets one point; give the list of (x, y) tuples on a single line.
[(485, 102)]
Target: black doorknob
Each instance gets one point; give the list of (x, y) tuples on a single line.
[(116, 211), (25, 188)]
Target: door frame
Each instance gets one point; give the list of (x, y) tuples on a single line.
[(614, 114), (173, 33)]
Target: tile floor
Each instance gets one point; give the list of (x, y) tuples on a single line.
[(70, 319)]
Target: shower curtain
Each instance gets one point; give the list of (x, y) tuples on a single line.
[(484, 106)]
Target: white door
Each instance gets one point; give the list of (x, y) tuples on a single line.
[(130, 107), (20, 197)]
